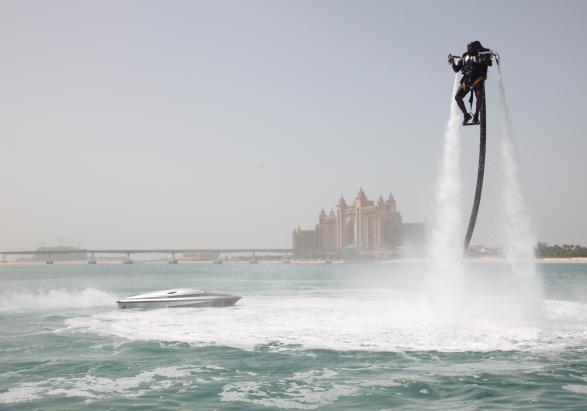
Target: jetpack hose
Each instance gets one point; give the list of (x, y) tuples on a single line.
[(480, 170)]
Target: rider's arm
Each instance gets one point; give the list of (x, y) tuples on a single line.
[(486, 59), (457, 67)]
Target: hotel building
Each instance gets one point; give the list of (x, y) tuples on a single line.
[(362, 225)]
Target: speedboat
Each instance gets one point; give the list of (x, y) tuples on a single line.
[(178, 297)]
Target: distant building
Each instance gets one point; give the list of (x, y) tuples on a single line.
[(201, 256), (364, 225), (305, 241), (413, 234), (75, 255)]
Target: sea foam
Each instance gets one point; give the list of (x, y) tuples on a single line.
[(388, 323)]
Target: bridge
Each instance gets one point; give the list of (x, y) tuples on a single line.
[(169, 251)]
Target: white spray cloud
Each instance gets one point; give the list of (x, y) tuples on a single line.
[(446, 243), (55, 298), (517, 235)]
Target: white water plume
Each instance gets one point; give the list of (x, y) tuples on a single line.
[(446, 245), (54, 299), (518, 238)]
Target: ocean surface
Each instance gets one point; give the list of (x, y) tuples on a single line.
[(360, 336)]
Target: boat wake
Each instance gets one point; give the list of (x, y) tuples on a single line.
[(391, 322)]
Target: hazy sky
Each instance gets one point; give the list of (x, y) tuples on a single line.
[(227, 123)]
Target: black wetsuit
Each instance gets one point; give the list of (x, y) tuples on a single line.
[(474, 69)]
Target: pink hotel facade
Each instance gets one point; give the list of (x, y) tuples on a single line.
[(363, 225)]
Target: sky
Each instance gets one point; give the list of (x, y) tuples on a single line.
[(207, 124)]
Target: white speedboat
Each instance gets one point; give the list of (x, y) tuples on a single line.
[(179, 297)]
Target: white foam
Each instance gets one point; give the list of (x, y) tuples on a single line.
[(92, 387), (21, 393), (397, 322), (306, 391), (579, 389), (58, 298), (310, 376), (380, 383)]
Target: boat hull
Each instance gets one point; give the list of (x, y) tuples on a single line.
[(152, 300)]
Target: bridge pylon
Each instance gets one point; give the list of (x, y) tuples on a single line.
[(128, 259)]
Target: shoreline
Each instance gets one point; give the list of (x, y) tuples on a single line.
[(478, 260)]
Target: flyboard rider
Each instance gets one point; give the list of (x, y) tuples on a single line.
[(473, 65)]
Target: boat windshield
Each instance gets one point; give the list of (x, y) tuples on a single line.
[(186, 293)]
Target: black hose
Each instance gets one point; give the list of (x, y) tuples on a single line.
[(480, 170)]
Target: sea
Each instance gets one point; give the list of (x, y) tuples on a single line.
[(354, 336)]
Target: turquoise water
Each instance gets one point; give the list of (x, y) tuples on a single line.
[(332, 337)]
